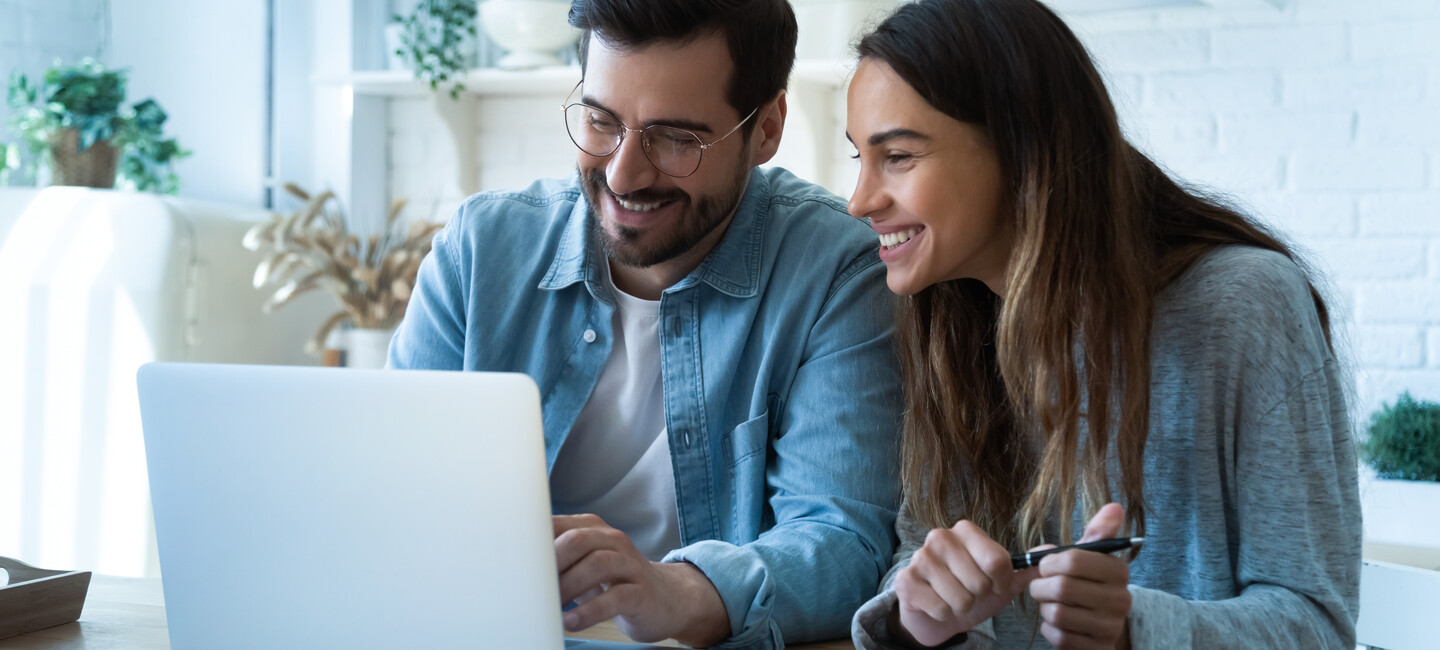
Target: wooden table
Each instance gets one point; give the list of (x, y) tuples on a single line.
[(129, 613)]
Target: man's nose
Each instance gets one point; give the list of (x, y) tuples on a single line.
[(628, 169)]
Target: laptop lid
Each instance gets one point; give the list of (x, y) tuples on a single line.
[(314, 507)]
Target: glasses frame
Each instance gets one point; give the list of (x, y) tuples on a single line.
[(644, 145)]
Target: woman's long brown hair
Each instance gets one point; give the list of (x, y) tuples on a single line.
[(1015, 404)]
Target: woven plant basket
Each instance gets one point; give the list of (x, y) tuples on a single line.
[(94, 167)]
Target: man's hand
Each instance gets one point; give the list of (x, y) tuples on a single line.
[(1083, 595), (603, 571), (957, 580)]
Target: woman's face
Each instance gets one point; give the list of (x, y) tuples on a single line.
[(929, 183)]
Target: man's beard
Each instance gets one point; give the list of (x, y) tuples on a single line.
[(698, 219)]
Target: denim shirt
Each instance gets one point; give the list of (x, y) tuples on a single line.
[(781, 384)]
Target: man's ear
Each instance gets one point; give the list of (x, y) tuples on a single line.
[(770, 124)]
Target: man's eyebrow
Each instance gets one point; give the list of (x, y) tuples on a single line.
[(893, 134), (688, 125)]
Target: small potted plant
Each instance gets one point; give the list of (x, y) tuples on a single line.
[(437, 40), (1402, 504), (372, 276), (73, 121), (9, 162)]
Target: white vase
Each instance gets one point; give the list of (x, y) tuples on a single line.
[(1400, 512), (367, 349), (531, 31)]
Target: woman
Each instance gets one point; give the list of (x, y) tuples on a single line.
[(1078, 329)]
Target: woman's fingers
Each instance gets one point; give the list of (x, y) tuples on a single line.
[(1081, 620), (1065, 640), (984, 556), (931, 570), (1086, 565), (1103, 597), (1106, 523), (916, 595)]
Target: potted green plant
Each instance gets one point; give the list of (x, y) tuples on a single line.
[(437, 40), (74, 122), (1402, 501)]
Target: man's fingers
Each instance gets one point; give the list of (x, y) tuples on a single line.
[(1105, 524), (619, 600), (574, 544), (599, 568), (563, 523)]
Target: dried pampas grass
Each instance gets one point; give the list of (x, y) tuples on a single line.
[(313, 248)]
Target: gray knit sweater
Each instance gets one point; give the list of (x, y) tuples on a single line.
[(1253, 526)]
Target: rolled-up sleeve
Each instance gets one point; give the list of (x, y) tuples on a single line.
[(831, 481)]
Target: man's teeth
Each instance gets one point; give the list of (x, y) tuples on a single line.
[(897, 238), (636, 207)]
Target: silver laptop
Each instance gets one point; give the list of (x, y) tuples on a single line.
[(329, 508)]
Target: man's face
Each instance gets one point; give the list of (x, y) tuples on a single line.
[(643, 216)]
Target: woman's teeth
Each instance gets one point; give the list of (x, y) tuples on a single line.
[(897, 238), (636, 207)]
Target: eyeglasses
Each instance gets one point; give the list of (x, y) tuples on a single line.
[(675, 152)]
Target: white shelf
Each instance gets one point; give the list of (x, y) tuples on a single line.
[(480, 81), (812, 89), (494, 82)]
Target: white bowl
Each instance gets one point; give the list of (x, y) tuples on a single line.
[(531, 32)]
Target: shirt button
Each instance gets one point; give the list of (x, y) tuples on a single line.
[(589, 336)]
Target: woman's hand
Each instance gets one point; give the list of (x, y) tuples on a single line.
[(957, 580), (1083, 595)]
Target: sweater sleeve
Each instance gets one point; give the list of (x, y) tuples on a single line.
[(1296, 554), (1270, 403)]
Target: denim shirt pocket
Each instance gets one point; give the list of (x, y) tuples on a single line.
[(748, 445), (748, 439)]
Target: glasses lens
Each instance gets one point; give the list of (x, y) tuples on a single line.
[(593, 130), (673, 151)]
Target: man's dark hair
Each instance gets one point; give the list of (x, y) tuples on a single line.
[(761, 36)]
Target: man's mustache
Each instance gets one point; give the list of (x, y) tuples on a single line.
[(596, 179)]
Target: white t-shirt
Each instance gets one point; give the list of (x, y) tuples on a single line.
[(616, 461)]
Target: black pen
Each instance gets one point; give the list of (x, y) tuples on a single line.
[(1027, 560)]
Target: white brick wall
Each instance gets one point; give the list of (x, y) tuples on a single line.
[(520, 139), (33, 33), (1322, 117)]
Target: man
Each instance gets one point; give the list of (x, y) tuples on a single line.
[(711, 340)]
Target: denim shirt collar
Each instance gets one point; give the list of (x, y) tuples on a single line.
[(733, 267)]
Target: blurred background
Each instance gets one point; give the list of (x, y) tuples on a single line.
[(1322, 117)]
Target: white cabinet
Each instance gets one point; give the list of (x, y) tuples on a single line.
[(96, 283)]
